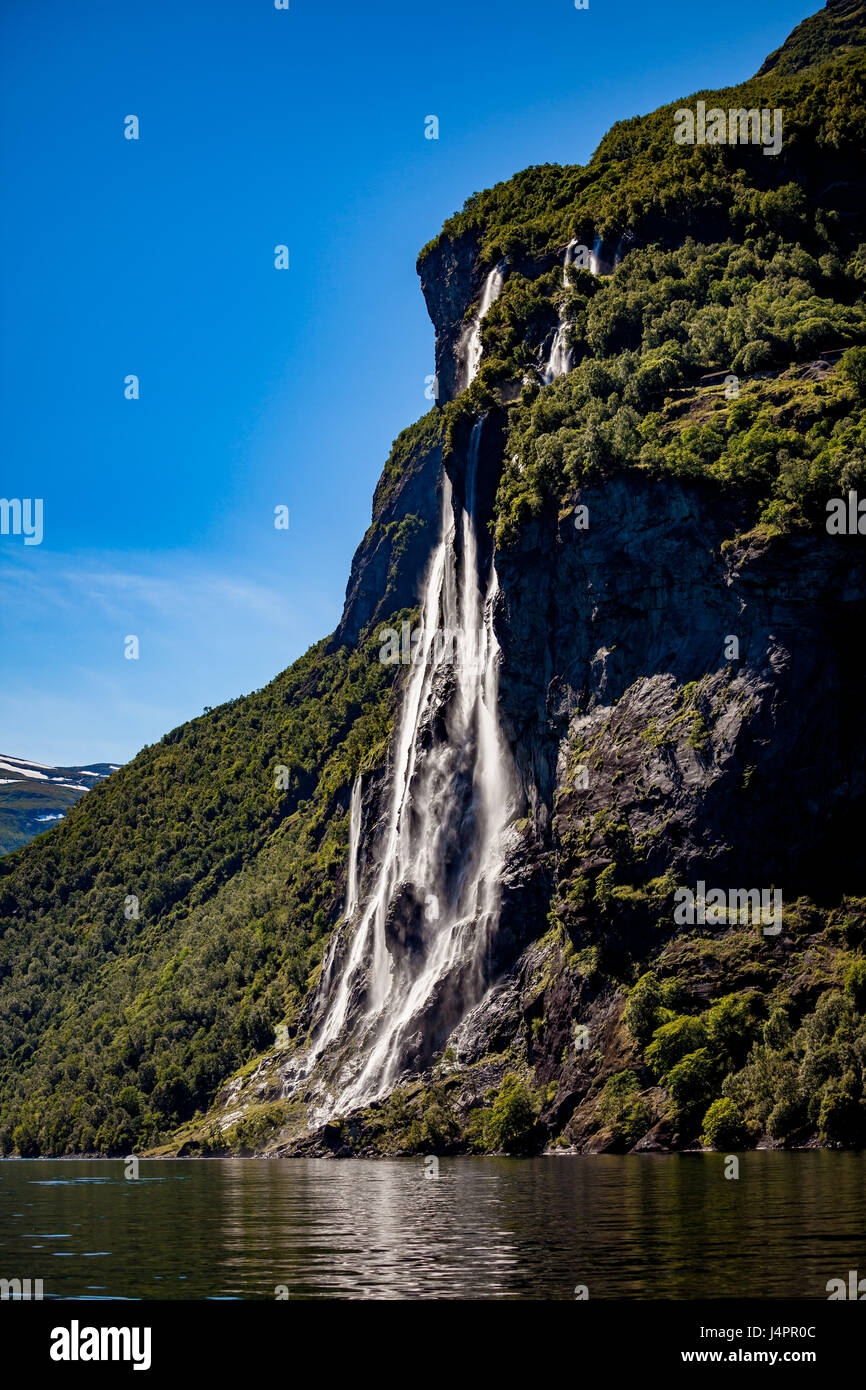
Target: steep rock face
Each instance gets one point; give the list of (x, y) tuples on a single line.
[(389, 564), (602, 631), (644, 751), (749, 771), (650, 749), (450, 282)]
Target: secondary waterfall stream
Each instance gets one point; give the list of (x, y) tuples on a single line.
[(559, 358), (470, 344), (352, 876), (415, 961)]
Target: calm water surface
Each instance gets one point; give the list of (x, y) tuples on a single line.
[(627, 1227)]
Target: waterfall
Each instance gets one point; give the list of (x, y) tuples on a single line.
[(416, 962), (622, 246), (350, 907), (595, 261), (469, 350), (354, 842), (559, 358)]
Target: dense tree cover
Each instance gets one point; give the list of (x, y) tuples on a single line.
[(726, 260), (115, 1028), (640, 182), (773, 1060), (643, 338), (787, 444)]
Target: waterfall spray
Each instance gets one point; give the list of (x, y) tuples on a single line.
[(417, 960)]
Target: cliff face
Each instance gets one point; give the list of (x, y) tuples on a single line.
[(604, 629), (390, 561), (681, 706), (450, 282)]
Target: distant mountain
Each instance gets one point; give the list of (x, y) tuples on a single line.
[(34, 796)]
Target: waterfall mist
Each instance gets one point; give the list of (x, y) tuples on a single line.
[(415, 963)]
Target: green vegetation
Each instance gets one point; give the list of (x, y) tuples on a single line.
[(787, 444), (251, 1134), (729, 263), (622, 1110), (509, 1125), (807, 1079), (724, 1127), (115, 1029), (759, 1061)]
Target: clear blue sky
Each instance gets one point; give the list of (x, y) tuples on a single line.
[(258, 387)]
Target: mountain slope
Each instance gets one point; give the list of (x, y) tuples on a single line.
[(837, 29), (641, 514), (32, 796)]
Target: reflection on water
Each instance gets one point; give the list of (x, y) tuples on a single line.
[(627, 1227)]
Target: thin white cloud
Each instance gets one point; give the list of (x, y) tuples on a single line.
[(189, 590)]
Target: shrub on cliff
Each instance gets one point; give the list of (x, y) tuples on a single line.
[(855, 985), (621, 1108), (645, 1010), (510, 1125), (724, 1127), (690, 1085)]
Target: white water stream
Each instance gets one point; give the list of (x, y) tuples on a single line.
[(559, 358), (470, 343), (353, 876), (415, 964)]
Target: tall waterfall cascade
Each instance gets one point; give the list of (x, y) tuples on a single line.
[(415, 941)]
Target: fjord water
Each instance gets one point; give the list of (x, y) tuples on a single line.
[(666, 1226)]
